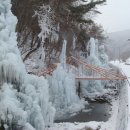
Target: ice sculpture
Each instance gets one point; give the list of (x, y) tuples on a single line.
[(24, 99)]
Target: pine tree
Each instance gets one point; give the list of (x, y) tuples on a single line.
[(69, 15)]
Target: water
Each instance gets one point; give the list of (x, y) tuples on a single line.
[(97, 112)]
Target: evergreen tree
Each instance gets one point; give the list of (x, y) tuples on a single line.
[(74, 18)]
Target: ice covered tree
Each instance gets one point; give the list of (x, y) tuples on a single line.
[(24, 99)]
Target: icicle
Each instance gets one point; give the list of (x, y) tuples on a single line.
[(74, 43), (96, 48), (103, 56), (63, 54), (92, 47)]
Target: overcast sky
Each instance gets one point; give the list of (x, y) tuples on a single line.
[(115, 15)]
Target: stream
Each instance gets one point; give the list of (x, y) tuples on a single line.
[(94, 112)]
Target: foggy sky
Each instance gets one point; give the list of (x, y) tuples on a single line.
[(115, 15)]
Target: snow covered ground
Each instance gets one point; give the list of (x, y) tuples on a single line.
[(76, 126), (126, 69)]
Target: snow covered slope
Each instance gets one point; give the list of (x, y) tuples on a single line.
[(124, 106)]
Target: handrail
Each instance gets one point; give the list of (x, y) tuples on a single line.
[(99, 70), (105, 74)]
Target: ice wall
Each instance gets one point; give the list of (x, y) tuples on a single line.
[(24, 99)]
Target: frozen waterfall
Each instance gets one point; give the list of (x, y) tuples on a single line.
[(24, 99), (103, 56), (95, 86), (74, 42), (93, 58), (63, 89), (92, 47), (63, 54)]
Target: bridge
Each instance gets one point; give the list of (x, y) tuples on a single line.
[(86, 71)]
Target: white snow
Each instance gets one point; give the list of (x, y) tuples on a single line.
[(126, 70), (76, 126)]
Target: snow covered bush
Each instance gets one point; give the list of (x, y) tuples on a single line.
[(24, 99)]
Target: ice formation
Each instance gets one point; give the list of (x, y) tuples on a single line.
[(63, 55), (92, 58), (92, 86), (96, 47), (24, 99), (63, 89), (74, 43), (103, 56)]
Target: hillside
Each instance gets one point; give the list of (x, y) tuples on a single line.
[(118, 45)]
